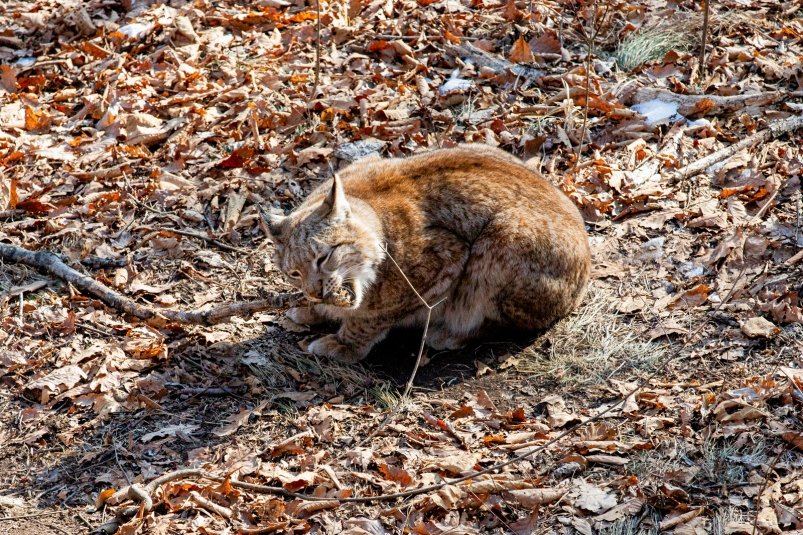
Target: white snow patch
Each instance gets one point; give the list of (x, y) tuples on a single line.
[(657, 111), (455, 83), (136, 30), (26, 61)]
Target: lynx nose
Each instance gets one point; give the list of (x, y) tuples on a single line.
[(317, 295)]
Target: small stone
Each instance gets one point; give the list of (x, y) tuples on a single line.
[(360, 149), (759, 327)]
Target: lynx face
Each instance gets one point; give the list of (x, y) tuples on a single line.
[(326, 252)]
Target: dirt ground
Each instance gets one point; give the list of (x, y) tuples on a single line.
[(138, 138)]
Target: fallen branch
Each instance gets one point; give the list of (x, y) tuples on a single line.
[(774, 130), (52, 264), (8, 214), (481, 58), (702, 105)]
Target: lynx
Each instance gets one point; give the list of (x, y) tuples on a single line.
[(470, 226)]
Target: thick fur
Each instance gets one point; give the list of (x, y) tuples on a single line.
[(471, 224)]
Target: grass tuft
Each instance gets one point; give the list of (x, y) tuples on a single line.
[(386, 397), (650, 44), (592, 345)]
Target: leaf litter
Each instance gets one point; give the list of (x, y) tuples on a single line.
[(148, 133)]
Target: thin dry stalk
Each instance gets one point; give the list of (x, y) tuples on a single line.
[(426, 326), (704, 38), (597, 22), (317, 50), (409, 386), (764, 486)]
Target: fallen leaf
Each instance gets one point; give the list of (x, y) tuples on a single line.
[(594, 499), (759, 327), (521, 53)]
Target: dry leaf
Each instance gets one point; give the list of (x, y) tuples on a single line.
[(521, 53)]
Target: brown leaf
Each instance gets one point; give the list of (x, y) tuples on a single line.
[(512, 13), (546, 43), (530, 498), (396, 474), (36, 120), (463, 412), (8, 78), (794, 438), (759, 327), (692, 298), (56, 381), (521, 53), (594, 499)]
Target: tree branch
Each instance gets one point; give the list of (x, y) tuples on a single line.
[(52, 264), (776, 129)]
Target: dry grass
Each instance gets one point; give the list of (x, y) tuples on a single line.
[(624, 526), (651, 44), (386, 397), (592, 345), (722, 518), (269, 360)]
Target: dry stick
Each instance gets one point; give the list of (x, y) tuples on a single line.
[(409, 386), (764, 485), (51, 263), (34, 515), (710, 104), (589, 48), (201, 236), (8, 214), (591, 37), (317, 50), (498, 65), (776, 129), (426, 324), (704, 39)]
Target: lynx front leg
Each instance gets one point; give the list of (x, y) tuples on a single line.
[(353, 341)]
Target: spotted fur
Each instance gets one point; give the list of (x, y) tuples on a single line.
[(471, 224)]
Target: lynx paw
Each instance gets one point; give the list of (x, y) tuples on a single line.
[(304, 316), (329, 346)]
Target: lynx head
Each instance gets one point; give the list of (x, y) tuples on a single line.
[(329, 249)]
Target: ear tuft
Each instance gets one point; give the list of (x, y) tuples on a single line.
[(336, 203), (276, 224)]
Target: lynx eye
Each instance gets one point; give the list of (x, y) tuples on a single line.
[(295, 274)]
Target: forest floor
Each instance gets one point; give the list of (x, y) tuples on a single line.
[(137, 139)]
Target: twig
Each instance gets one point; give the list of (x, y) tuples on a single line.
[(498, 65), (591, 37), (97, 262), (764, 485), (707, 105), (317, 50), (704, 38), (201, 236), (426, 324), (209, 505), (774, 130), (51, 263), (409, 386), (33, 515), (204, 391), (8, 214), (587, 95)]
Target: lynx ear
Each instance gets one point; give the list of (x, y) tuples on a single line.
[(336, 204), (276, 224)]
